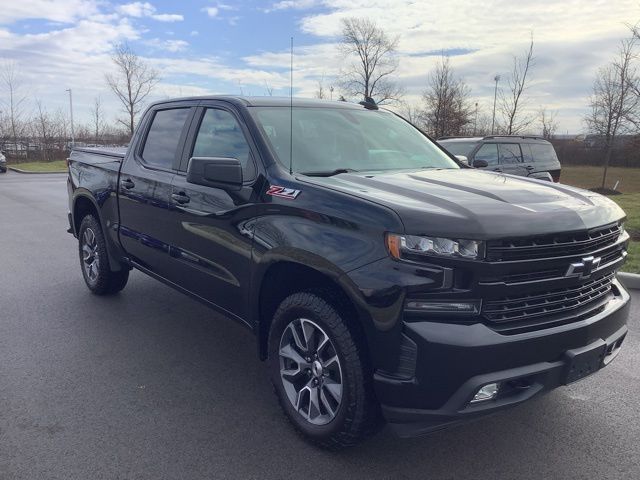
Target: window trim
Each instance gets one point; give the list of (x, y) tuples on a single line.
[(192, 135), (147, 128)]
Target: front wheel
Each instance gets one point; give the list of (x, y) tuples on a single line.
[(320, 372), (94, 259)]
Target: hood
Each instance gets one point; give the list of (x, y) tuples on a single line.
[(470, 203)]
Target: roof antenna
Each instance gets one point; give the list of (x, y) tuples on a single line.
[(291, 113)]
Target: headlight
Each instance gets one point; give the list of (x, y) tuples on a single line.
[(401, 245)]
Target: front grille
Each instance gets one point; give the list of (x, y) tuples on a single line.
[(548, 303), (550, 246)]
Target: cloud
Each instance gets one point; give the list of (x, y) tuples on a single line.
[(63, 11), (293, 4), (168, 45), (146, 9), (211, 11)]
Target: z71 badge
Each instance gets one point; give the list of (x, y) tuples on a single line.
[(283, 192)]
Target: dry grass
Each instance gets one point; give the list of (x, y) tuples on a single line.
[(590, 177)]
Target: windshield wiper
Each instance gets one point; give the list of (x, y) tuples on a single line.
[(329, 173)]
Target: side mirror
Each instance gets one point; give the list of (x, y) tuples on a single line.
[(463, 159), (480, 164), (217, 172)]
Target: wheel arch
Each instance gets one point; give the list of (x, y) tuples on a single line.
[(85, 204), (284, 276)]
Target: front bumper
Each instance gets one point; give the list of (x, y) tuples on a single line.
[(452, 361)]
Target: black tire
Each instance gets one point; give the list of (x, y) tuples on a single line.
[(357, 416), (94, 260)]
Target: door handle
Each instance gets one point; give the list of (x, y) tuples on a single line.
[(180, 198), (128, 184), (530, 167)]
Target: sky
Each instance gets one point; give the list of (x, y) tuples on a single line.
[(242, 47)]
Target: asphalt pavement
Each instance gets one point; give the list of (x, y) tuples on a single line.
[(150, 384)]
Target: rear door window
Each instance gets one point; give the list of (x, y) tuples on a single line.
[(543, 152), (510, 153), (527, 156), (163, 140), (488, 152)]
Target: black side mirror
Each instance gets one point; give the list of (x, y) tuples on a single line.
[(480, 163), (225, 173)]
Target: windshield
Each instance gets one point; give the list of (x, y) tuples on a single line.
[(332, 139), (459, 148)]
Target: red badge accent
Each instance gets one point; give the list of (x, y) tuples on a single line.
[(283, 192)]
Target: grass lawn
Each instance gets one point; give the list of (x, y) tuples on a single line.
[(589, 177), (55, 166)]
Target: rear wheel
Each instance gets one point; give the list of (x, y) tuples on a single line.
[(94, 260), (320, 372)]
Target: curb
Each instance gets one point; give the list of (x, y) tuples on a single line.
[(17, 170), (630, 280)]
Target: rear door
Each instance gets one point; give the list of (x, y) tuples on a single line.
[(145, 186), (544, 158), (210, 234)]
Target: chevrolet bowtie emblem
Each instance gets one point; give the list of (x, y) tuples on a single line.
[(583, 268)]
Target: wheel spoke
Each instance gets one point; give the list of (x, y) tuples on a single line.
[(327, 404), (314, 403), (296, 337), (332, 360), (323, 343), (308, 330), (334, 388), (289, 352)]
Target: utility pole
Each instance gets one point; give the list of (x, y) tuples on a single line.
[(475, 121), (73, 136), (495, 96)]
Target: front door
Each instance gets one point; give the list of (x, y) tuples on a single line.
[(511, 159), (211, 242), (145, 188)]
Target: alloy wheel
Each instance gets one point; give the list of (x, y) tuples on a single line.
[(90, 260), (310, 371)]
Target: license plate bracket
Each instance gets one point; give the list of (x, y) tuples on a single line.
[(582, 362)]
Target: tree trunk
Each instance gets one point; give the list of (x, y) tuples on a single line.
[(607, 159)]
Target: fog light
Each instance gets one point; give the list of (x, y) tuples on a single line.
[(465, 308), (488, 392)]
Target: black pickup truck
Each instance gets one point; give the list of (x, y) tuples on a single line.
[(383, 280)]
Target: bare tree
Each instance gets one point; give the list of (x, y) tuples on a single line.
[(14, 105), (614, 102), (374, 60), (97, 119), (410, 112), (548, 123), (44, 130), (132, 82), (321, 91), (268, 88), (512, 102), (447, 108)]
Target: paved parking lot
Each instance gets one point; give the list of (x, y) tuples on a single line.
[(150, 384)]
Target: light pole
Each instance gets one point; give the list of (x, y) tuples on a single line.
[(495, 96), (73, 136), (475, 121)]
